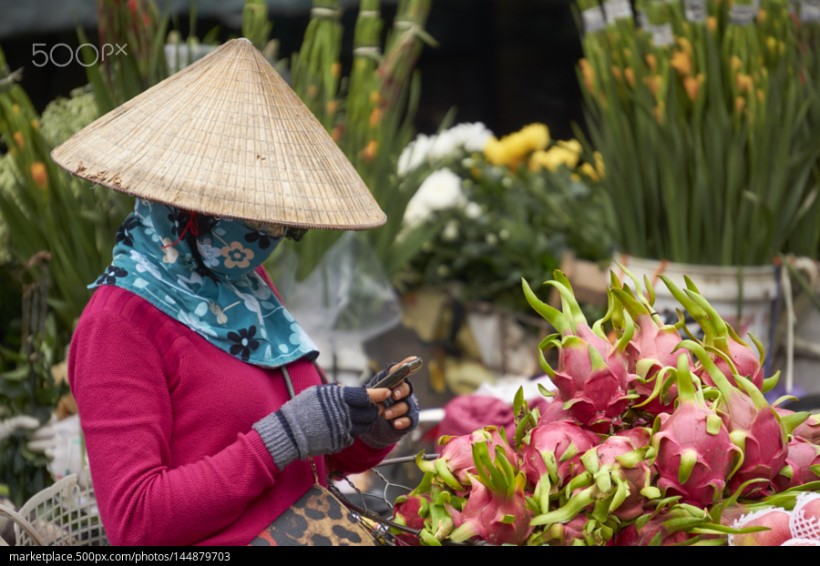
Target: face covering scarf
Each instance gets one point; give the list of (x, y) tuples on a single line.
[(213, 289)]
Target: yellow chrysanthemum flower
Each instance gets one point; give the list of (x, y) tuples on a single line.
[(587, 170), (554, 158), (511, 150), (495, 152), (599, 164)]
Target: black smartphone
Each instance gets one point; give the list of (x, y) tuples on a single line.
[(398, 375)]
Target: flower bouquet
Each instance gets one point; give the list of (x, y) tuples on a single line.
[(652, 437)]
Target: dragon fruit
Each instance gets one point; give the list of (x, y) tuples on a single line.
[(694, 453), (654, 345), (654, 532), (597, 400), (409, 511), (591, 376), (456, 462), (722, 337), (808, 429), (625, 461), (555, 449), (569, 534), (754, 426), (496, 510), (551, 410), (802, 465)]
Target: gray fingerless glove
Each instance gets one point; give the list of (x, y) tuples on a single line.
[(320, 420), (382, 434)]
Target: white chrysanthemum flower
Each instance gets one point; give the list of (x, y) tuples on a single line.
[(467, 137), (450, 232), (472, 210), (441, 190)]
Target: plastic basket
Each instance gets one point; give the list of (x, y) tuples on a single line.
[(63, 514)]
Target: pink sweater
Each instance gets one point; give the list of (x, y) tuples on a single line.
[(167, 420)]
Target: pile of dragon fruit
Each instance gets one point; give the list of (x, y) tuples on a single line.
[(652, 437)]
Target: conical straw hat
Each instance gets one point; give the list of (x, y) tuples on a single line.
[(227, 137)]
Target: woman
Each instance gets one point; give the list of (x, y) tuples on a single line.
[(182, 361)]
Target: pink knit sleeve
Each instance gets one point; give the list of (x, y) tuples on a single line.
[(118, 379)]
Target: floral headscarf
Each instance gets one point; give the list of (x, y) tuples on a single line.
[(210, 287)]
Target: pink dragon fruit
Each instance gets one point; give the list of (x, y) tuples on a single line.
[(653, 532), (694, 453), (596, 400), (754, 427), (722, 337), (808, 429), (456, 460), (496, 510), (551, 409), (560, 443), (639, 436), (629, 470), (409, 511), (775, 520), (591, 375), (654, 345), (802, 465)]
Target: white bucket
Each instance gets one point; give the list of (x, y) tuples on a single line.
[(743, 297)]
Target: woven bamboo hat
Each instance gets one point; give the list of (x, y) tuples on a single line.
[(228, 137)]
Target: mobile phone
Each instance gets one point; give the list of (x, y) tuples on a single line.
[(398, 375)]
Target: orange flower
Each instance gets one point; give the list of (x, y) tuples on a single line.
[(336, 69), (375, 97), (736, 63), (692, 86), (35, 124), (370, 150), (332, 106), (589, 75), (616, 72), (653, 83), (39, 175), (312, 91), (630, 76), (338, 130), (652, 62), (743, 82), (685, 45), (711, 23), (376, 117), (19, 139), (761, 95), (682, 63), (740, 105), (660, 112)]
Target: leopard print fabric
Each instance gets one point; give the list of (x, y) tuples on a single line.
[(316, 519)]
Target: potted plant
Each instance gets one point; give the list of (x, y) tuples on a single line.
[(704, 112)]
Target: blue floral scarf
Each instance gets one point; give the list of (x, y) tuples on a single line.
[(201, 271)]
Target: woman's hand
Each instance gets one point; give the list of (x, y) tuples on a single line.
[(398, 411)]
